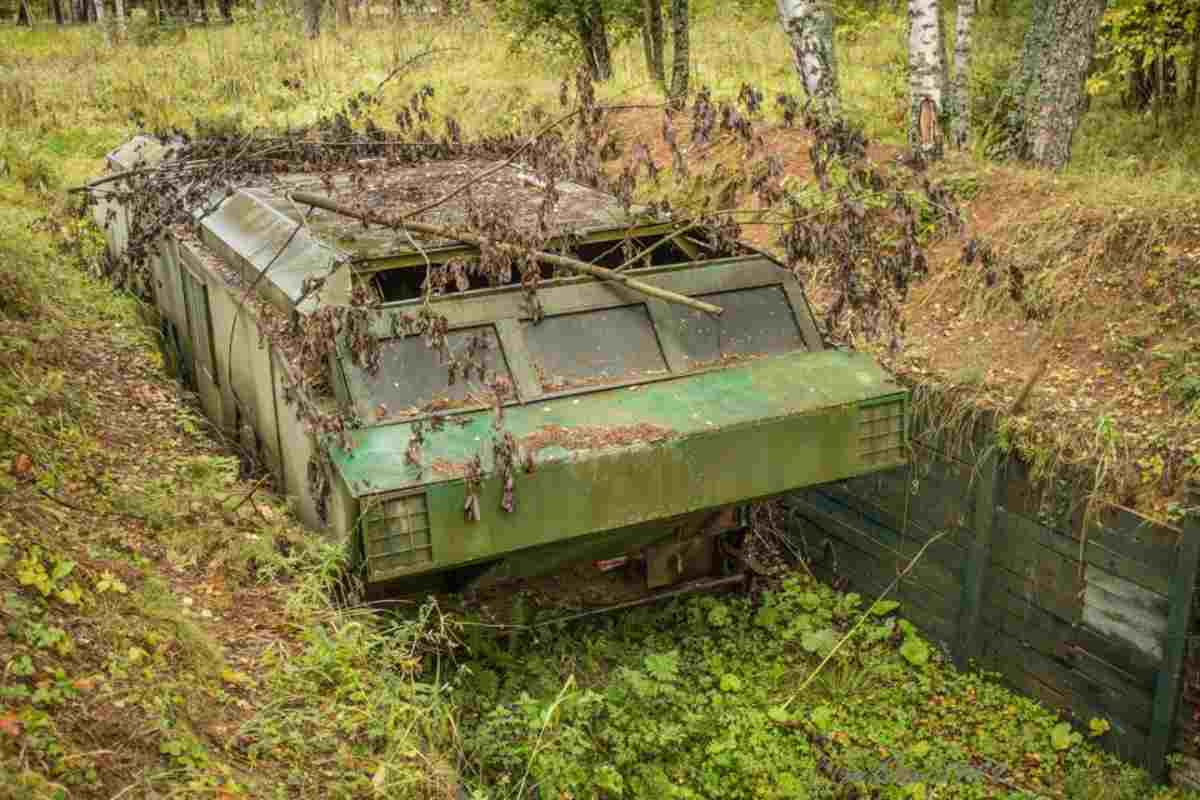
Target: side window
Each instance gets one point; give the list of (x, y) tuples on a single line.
[(195, 295), (756, 322), (594, 348), (414, 377)]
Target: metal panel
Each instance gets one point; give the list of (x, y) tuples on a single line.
[(755, 321), (195, 294), (769, 388), (579, 294), (594, 348), (618, 489), (397, 536), (412, 375)]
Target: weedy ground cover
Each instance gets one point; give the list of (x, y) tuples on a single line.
[(715, 697)]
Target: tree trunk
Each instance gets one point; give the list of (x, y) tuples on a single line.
[(312, 18), (342, 9), (681, 64), (23, 17), (593, 40), (809, 26), (652, 39), (1194, 67), (56, 7), (962, 72), (101, 21), (119, 18), (1059, 47), (927, 75)]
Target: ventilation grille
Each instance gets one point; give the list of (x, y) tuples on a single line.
[(881, 433), (397, 536)]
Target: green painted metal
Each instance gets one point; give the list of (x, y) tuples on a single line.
[(732, 435), (743, 395)]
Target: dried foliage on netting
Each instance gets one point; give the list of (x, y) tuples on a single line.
[(857, 221), (864, 232)]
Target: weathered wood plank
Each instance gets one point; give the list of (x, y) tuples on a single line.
[(885, 545), (1167, 690), (1057, 640), (1016, 529), (1122, 740), (975, 571), (869, 576), (1081, 694), (1131, 535), (890, 513), (1058, 593), (1125, 611), (1070, 634)]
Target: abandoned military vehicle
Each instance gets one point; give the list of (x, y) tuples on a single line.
[(636, 422)]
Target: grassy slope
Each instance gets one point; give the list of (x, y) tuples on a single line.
[(159, 641)]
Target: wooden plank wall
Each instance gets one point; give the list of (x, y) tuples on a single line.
[(1071, 614)]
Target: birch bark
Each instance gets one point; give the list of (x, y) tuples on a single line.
[(962, 72), (809, 26), (119, 18), (101, 21), (927, 75)]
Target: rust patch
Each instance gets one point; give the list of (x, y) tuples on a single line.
[(592, 437)]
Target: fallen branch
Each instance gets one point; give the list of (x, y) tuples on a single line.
[(572, 264)]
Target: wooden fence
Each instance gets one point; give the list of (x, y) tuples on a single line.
[(1091, 614)]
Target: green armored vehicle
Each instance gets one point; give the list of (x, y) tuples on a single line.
[(642, 426)]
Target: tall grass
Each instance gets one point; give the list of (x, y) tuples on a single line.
[(78, 98)]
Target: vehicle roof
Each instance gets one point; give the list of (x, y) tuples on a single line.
[(256, 225)]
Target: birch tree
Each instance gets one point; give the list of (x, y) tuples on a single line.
[(681, 57), (119, 18), (962, 72), (809, 26), (101, 21), (927, 75)]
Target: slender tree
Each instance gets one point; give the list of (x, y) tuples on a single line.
[(119, 18), (962, 72), (101, 21), (681, 58), (652, 39), (23, 15), (809, 26), (342, 9), (927, 75), (312, 18), (1193, 89)]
